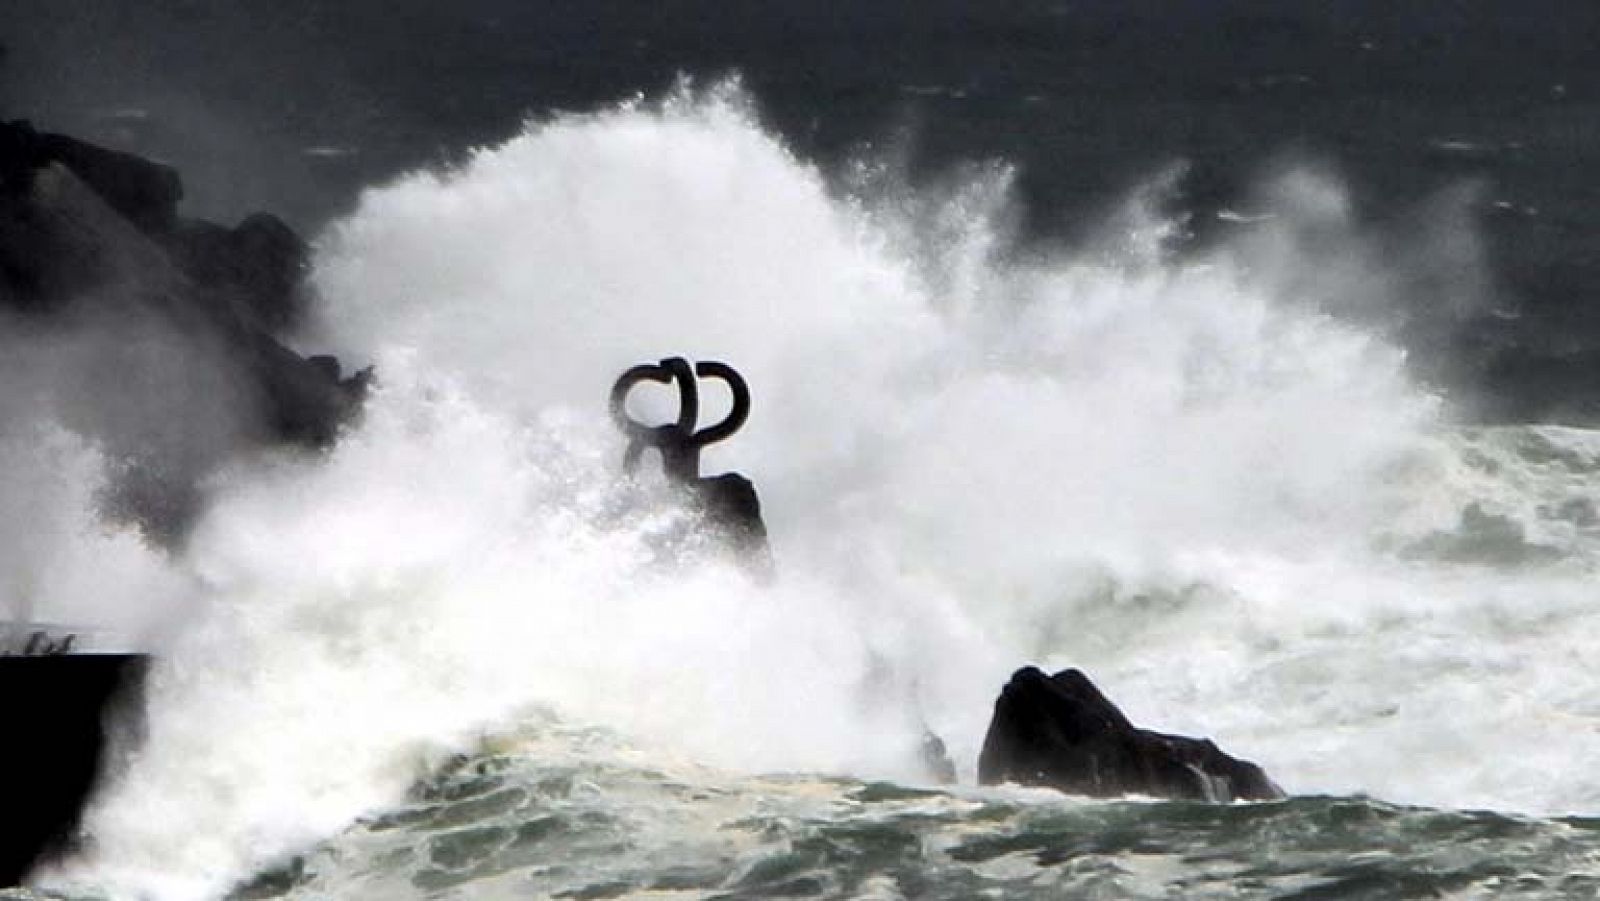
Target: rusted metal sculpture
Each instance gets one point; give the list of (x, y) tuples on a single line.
[(679, 442), (731, 510)]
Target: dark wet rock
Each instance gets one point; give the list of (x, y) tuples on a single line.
[(302, 403), (177, 320), (1061, 732), (64, 747), (257, 269), (59, 241), (732, 516), (143, 192)]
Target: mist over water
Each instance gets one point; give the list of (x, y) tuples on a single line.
[(1214, 496), (94, 409), (63, 564)]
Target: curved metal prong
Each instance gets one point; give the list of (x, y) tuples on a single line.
[(741, 402), (644, 372), (688, 393)]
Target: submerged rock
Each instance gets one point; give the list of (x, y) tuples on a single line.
[(936, 762), (1485, 539), (1061, 732)]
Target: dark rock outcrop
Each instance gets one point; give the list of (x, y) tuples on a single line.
[(255, 268), (732, 515), (176, 321), (143, 192), (63, 707), (157, 338), (1061, 732)]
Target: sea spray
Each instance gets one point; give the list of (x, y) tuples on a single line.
[(971, 457), (64, 565), (66, 427)]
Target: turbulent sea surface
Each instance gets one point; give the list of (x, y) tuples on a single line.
[(575, 816), (1228, 442)]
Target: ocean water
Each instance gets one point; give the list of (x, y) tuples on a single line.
[(1225, 465), (445, 657), (297, 106)]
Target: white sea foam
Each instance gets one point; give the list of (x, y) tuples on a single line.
[(971, 458)]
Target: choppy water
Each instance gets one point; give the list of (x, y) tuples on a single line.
[(558, 813), (1210, 481), (576, 817)]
